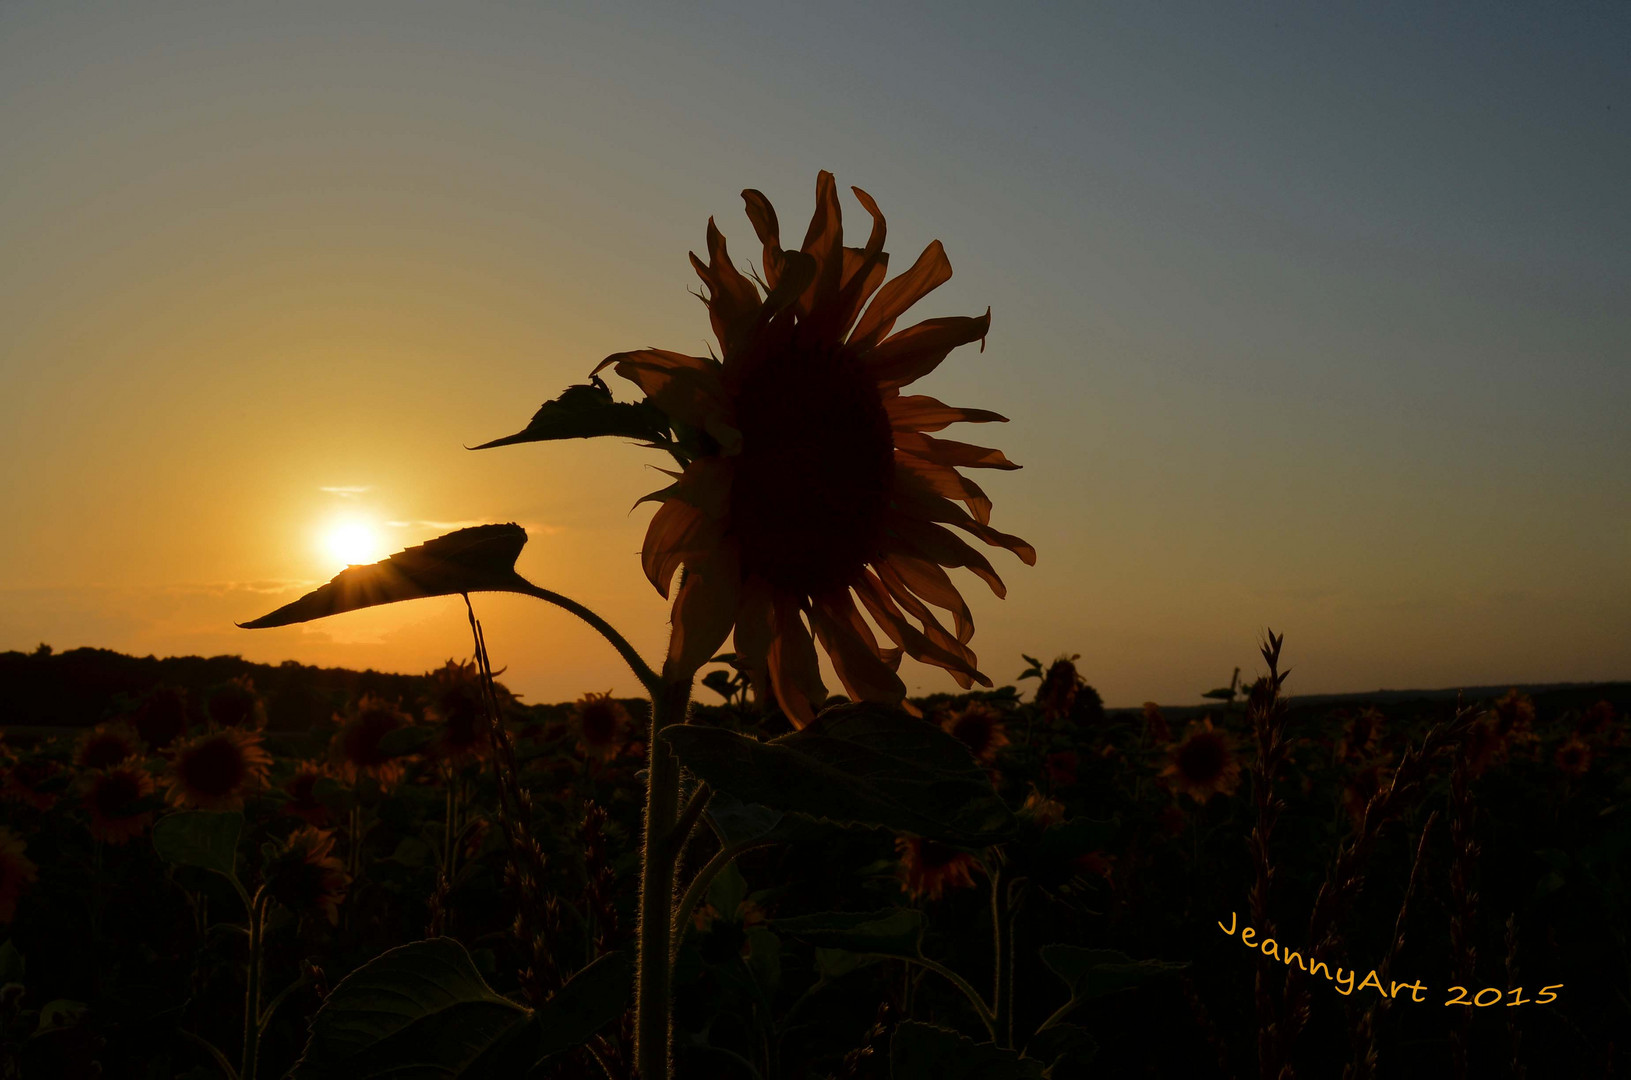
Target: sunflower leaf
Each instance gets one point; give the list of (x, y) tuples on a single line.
[(1093, 973), (1065, 1048), (920, 1051), (478, 559), (587, 411), (420, 1009), (738, 822), (894, 932), (207, 839), (859, 764)]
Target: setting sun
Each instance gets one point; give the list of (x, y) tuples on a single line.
[(353, 542)]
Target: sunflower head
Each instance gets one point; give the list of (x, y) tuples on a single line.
[(161, 718), (1514, 713), (305, 876), (1574, 756), (602, 724), (235, 704), (119, 800), (107, 745), (1041, 812), (214, 771), (17, 873), (928, 868), (1057, 694), (1061, 767), (33, 780), (1156, 728), (358, 748), (979, 727), (1596, 720), (1203, 764), (812, 490), (301, 794), (456, 704)]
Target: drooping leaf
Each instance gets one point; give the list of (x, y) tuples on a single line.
[(203, 838), (587, 411), (1066, 1050), (831, 964), (590, 1000), (420, 1010), (720, 683), (60, 1013), (727, 891), (478, 559), (858, 764), (1093, 973), (891, 932), (739, 822), (924, 1052)]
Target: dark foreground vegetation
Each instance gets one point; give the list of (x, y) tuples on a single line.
[(1409, 846)]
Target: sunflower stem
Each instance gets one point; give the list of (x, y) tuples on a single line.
[(654, 684), (252, 992), (699, 886), (652, 1020), (1003, 990)]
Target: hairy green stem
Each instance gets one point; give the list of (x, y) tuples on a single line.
[(973, 995), (699, 886), (653, 683), (652, 1020)]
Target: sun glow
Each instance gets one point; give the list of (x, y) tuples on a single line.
[(353, 542)]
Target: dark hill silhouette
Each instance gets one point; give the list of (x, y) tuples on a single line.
[(82, 687)]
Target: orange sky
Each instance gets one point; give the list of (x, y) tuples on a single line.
[(1300, 323)]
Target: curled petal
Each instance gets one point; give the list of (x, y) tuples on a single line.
[(934, 508), (884, 611), (933, 545), (966, 673), (929, 580), (916, 412), (686, 388), (765, 226), (679, 533), (864, 675), (794, 673), (918, 350), (931, 271), (705, 610), (950, 452)]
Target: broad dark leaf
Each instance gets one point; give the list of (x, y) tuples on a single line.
[(925, 1052), (738, 821), (858, 764), (421, 1011), (587, 411), (204, 838), (479, 559), (890, 932), (1093, 973)]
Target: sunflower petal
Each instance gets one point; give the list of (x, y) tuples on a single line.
[(765, 226), (864, 675), (933, 545), (944, 481), (686, 388), (883, 609), (934, 508), (678, 533), (754, 632), (704, 611), (733, 302), (928, 579), (795, 673), (918, 350), (824, 242), (931, 271), (950, 452), (916, 413), (932, 629)]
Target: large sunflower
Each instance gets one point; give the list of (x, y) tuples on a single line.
[(809, 479)]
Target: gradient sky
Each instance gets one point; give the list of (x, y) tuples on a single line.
[(1313, 317)]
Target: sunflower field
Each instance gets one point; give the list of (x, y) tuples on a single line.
[(130, 848)]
